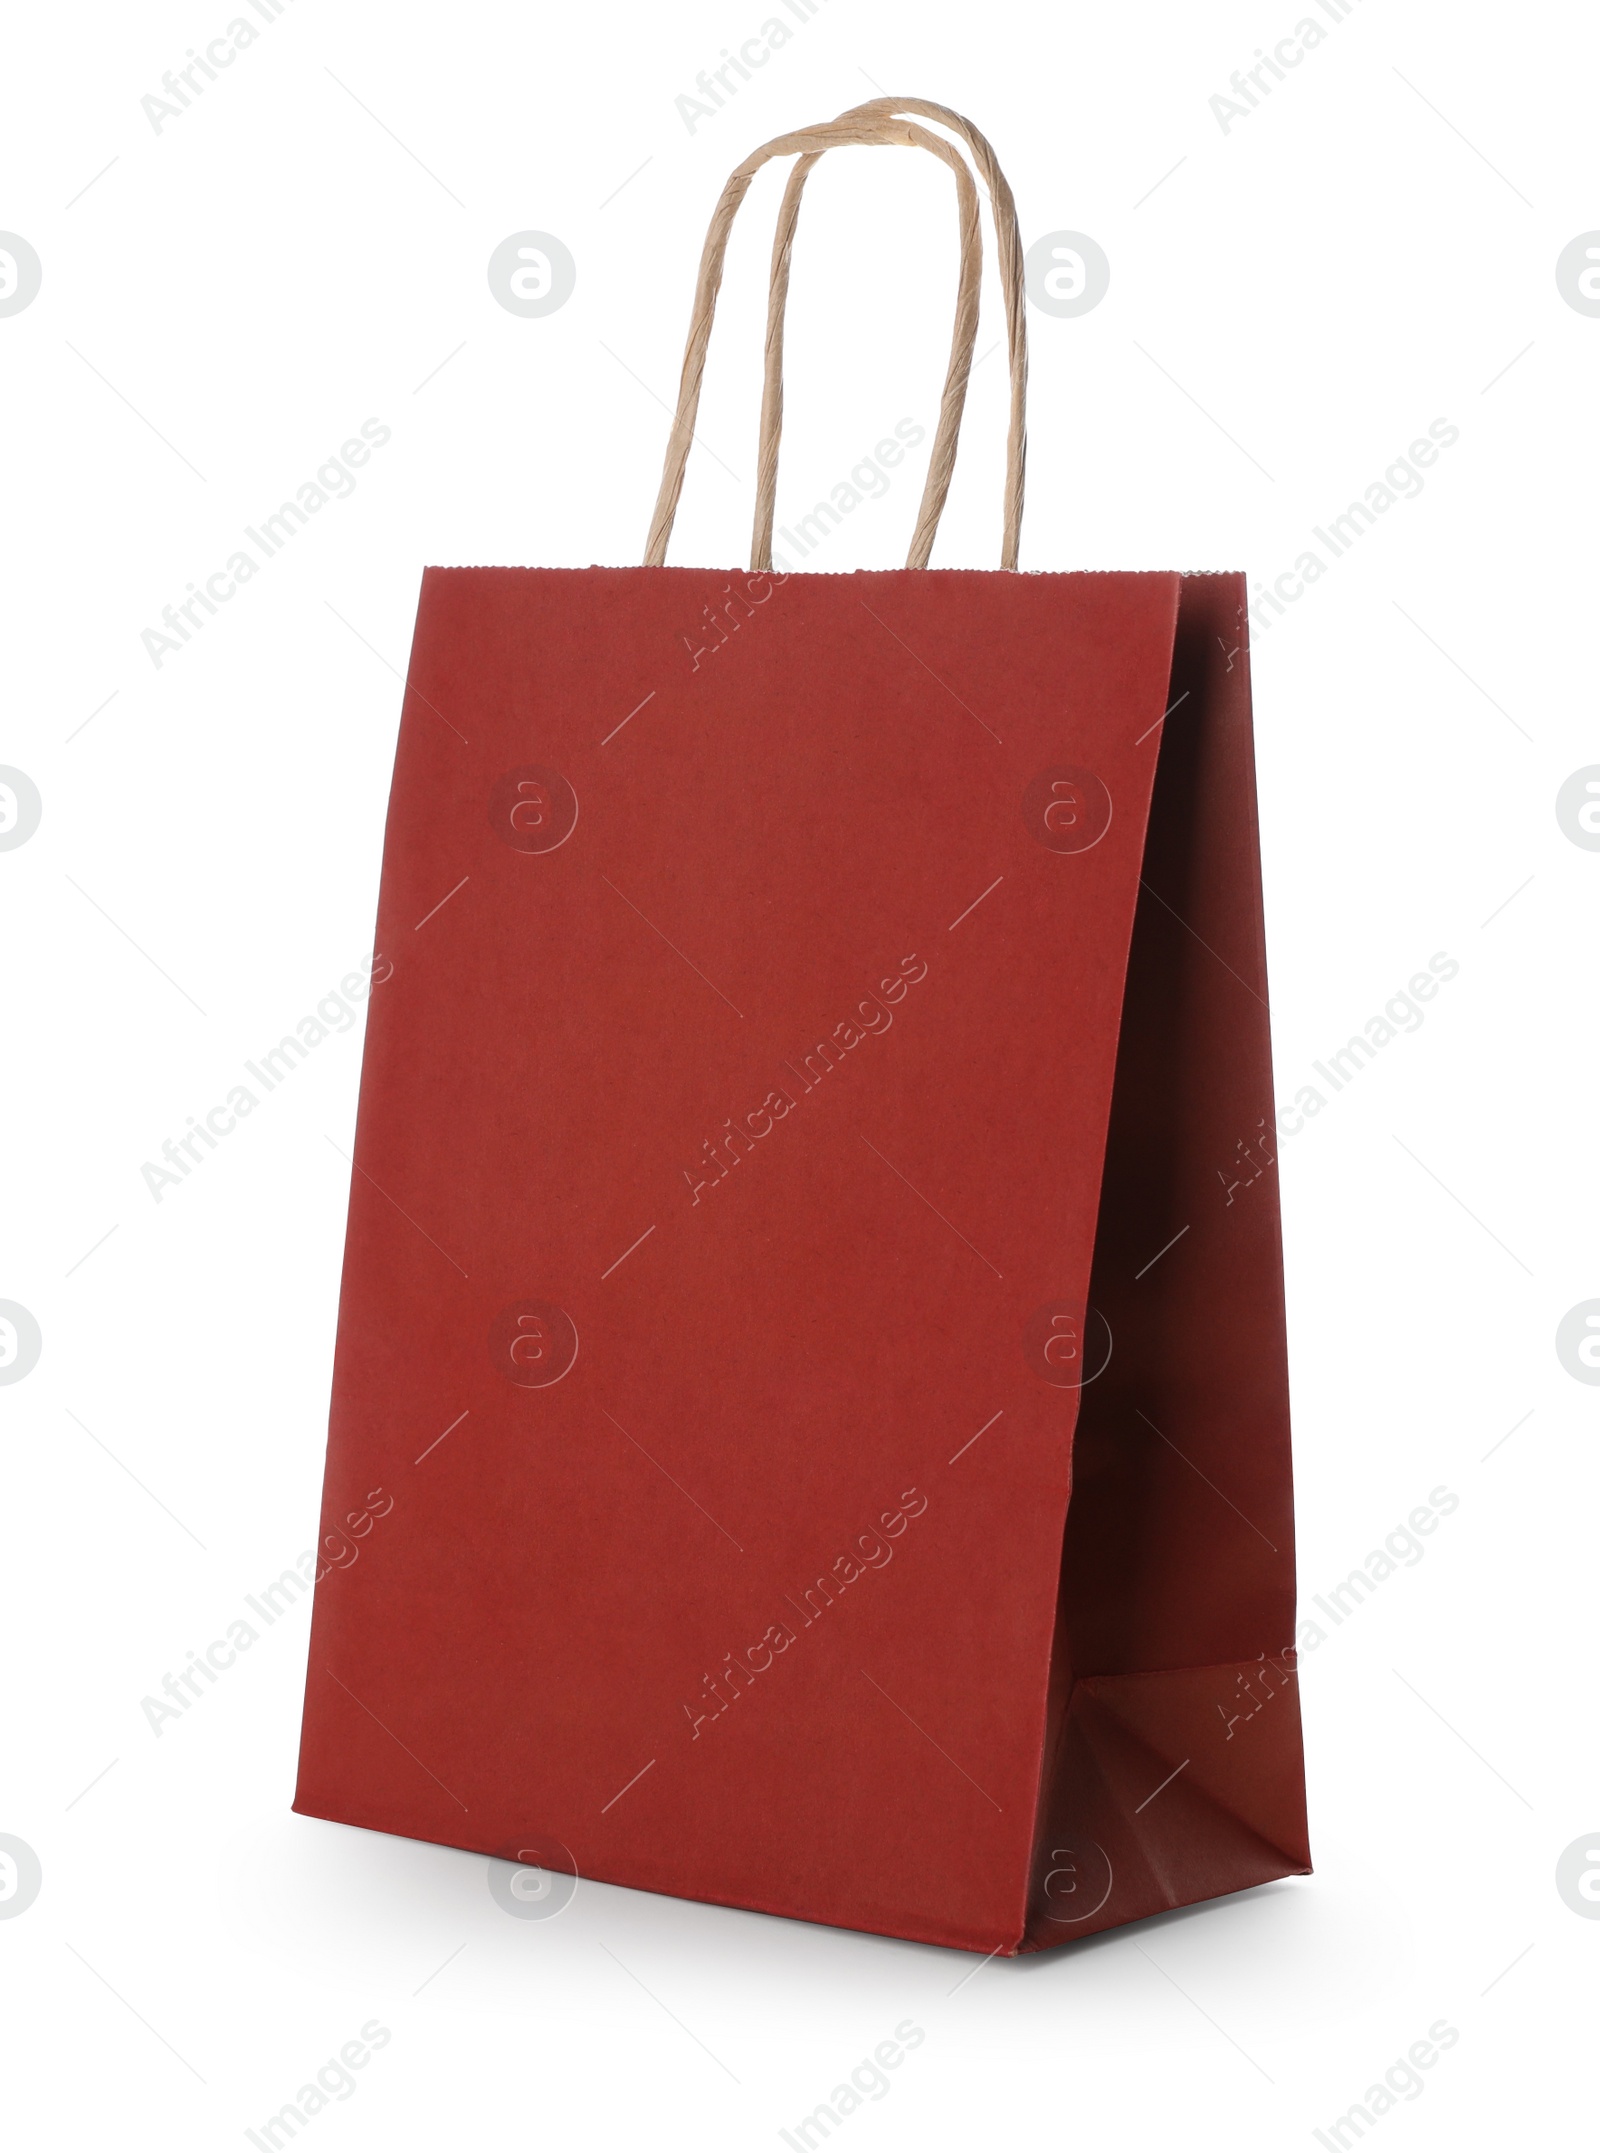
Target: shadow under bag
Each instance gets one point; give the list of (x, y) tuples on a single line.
[(810, 1402)]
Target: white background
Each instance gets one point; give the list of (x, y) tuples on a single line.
[(1371, 249)]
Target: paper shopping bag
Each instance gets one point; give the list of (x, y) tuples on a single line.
[(809, 1424)]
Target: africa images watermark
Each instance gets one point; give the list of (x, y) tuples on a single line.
[(337, 1551), (333, 2082), (866, 2082), (335, 481), (1254, 1689), (1252, 84), (868, 481), (1401, 1013), (1401, 2082), (1402, 481), (872, 1014), (1402, 1549), (184, 84), (1253, 1155), (870, 1550), (720, 83), (183, 1689), (336, 1012)]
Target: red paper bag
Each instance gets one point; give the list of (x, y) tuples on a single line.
[(809, 1424)]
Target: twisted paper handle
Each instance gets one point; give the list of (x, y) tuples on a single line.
[(1009, 246), (872, 125)]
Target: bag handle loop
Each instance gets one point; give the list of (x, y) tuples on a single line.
[(874, 129), (1003, 208)]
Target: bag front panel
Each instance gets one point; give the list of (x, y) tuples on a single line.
[(728, 1156)]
